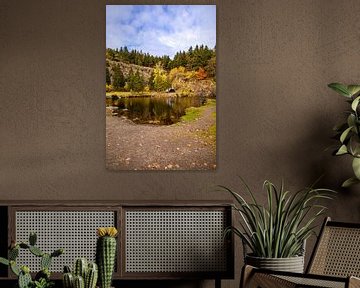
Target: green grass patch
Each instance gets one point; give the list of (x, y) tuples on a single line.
[(194, 113), (127, 94)]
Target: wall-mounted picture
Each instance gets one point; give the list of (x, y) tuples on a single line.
[(161, 87)]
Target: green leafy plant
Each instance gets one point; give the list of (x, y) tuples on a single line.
[(279, 229), (43, 283), (348, 132), (42, 278)]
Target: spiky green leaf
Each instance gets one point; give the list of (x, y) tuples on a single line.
[(280, 228), (353, 89), (354, 145), (356, 167), (342, 150), (349, 182), (355, 103), (340, 88), (351, 121), (345, 134)]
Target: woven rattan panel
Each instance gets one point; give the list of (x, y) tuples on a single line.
[(75, 231), (313, 282), (338, 253), (175, 241)]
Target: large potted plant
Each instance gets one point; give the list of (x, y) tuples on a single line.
[(275, 233), (348, 132)]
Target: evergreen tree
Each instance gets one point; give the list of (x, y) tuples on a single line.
[(151, 81), (195, 58), (137, 82), (210, 68), (108, 78), (118, 78), (129, 80), (165, 60), (110, 54)]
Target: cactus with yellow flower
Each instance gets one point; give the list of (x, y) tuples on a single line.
[(106, 254)]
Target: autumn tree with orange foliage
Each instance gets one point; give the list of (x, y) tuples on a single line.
[(201, 74)]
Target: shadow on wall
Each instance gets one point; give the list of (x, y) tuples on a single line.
[(335, 170), (309, 154)]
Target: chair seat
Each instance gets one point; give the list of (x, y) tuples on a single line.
[(267, 279), (315, 282), (335, 262)]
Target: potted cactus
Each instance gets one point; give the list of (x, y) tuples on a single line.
[(106, 254), (42, 278), (84, 275)]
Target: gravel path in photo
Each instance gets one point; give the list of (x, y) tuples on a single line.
[(181, 146)]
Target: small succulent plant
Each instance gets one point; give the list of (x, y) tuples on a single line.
[(42, 278)]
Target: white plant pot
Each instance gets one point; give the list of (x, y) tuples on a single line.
[(291, 264)]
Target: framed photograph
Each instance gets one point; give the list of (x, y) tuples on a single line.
[(161, 87)]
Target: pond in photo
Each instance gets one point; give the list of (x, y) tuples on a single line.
[(160, 84), (153, 110)]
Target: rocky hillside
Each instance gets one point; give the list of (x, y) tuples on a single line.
[(145, 72), (185, 83)]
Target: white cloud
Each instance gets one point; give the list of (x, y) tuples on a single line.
[(116, 13), (160, 30)]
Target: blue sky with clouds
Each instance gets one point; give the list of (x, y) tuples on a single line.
[(160, 29)]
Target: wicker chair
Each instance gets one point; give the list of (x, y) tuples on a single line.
[(334, 263)]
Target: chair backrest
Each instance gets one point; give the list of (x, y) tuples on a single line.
[(337, 251)]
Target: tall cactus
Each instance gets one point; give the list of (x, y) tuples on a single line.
[(106, 254)]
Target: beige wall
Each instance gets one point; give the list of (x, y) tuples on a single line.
[(275, 113)]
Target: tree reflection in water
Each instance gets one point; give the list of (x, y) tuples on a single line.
[(154, 110)]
